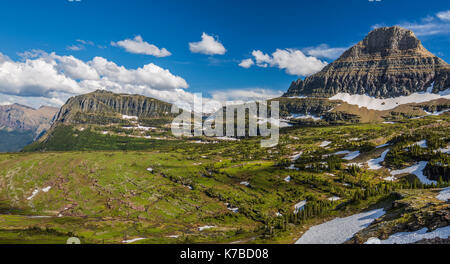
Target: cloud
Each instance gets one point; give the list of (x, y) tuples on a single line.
[(40, 78), (246, 63), (34, 102), (52, 78), (324, 51), (244, 95), (208, 45), (81, 45), (4, 58), (139, 46), (75, 47), (444, 15), (437, 24), (293, 61)]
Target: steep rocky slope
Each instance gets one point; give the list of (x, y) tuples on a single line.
[(20, 117), (101, 113), (388, 62), (20, 125)]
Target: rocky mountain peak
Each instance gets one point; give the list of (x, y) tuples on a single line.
[(395, 39), (388, 62)]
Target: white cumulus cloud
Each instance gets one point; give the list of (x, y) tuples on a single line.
[(139, 46), (52, 79), (293, 61), (324, 51), (247, 63), (208, 45), (444, 15)]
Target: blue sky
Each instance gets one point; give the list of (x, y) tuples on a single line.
[(319, 30)]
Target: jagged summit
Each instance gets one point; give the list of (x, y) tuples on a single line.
[(386, 41), (388, 62)]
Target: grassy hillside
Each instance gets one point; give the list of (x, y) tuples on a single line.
[(99, 187)]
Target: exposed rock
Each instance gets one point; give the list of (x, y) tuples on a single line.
[(389, 62), (103, 106), (23, 118)]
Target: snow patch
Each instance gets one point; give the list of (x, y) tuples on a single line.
[(133, 240), (352, 155), (325, 143), (245, 183), (205, 227), (389, 103), (299, 207), (334, 198), (390, 179), (129, 117), (417, 170), (444, 195), (284, 124), (292, 167), (234, 210), (296, 156), (437, 113), (343, 152), (382, 146), (444, 150), (339, 230), (374, 164), (412, 237), (422, 144), (36, 191)]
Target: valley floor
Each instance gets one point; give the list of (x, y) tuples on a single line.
[(180, 191)]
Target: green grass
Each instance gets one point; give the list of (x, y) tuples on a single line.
[(102, 192)]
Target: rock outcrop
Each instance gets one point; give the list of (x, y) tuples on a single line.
[(103, 105), (389, 62)]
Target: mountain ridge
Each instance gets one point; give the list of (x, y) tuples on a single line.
[(21, 124), (22, 117), (388, 62), (107, 103)]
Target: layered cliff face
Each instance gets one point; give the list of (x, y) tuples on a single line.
[(107, 106), (389, 62)]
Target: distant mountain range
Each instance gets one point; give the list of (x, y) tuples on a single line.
[(388, 62), (20, 125)]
